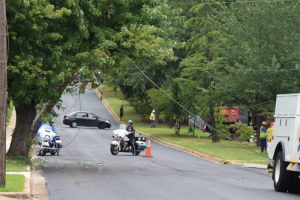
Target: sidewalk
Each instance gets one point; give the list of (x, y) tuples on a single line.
[(35, 183), (10, 129)]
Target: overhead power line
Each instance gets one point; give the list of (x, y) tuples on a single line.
[(262, 70), (224, 2), (191, 113)]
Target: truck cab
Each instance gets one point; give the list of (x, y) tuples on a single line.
[(284, 145)]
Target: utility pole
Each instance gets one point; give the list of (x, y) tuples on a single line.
[(3, 80)]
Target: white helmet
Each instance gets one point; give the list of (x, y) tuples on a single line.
[(153, 110)]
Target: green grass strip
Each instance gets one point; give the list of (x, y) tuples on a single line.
[(17, 164), (13, 183)]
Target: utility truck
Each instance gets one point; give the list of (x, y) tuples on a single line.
[(284, 144)]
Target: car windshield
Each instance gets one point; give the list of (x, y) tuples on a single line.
[(81, 115)]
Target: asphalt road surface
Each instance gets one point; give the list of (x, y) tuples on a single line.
[(86, 170)]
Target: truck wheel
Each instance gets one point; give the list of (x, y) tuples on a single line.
[(281, 177), (114, 149), (295, 183)]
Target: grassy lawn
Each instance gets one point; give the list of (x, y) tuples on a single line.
[(224, 149), (14, 183), (17, 164)]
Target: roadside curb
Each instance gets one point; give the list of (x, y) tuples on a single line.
[(113, 114), (38, 184), (180, 148)]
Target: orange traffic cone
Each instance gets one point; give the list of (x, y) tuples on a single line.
[(148, 150)]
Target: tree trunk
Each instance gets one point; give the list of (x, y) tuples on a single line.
[(3, 89), (25, 117), (213, 123), (257, 120), (115, 91)]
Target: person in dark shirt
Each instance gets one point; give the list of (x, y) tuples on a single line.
[(121, 112), (131, 131)]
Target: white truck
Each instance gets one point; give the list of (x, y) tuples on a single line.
[(284, 146)]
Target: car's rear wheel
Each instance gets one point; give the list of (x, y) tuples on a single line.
[(74, 124)]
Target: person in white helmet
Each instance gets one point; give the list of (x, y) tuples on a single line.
[(131, 136), (152, 119)]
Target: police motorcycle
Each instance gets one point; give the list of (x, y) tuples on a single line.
[(48, 141), (121, 143)]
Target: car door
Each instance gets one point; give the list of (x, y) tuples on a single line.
[(82, 118), (92, 120)]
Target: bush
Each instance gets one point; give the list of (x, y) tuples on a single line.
[(245, 132)]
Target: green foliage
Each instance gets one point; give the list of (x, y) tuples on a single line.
[(204, 54), (245, 132), (261, 43)]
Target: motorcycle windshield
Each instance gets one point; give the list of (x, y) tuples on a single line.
[(45, 130)]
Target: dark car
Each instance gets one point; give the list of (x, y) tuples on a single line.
[(85, 119)]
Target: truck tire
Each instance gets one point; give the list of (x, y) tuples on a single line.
[(295, 183), (281, 177)]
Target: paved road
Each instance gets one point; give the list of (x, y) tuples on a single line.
[(86, 170)]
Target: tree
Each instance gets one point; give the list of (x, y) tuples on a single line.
[(149, 45), (34, 69), (262, 48), (51, 42), (202, 63)]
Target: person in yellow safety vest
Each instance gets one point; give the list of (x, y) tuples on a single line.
[(263, 136), (152, 119), (270, 132)]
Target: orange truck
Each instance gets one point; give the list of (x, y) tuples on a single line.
[(230, 114)]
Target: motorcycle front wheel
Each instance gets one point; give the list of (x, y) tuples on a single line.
[(114, 149)]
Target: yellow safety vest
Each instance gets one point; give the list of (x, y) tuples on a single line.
[(270, 134), (262, 133), (152, 117)]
